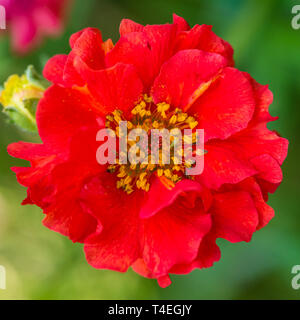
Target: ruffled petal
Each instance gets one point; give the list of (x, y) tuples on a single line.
[(161, 41), (268, 168), (159, 197), (265, 212), (128, 26), (223, 165), (28, 151), (226, 107), (186, 76), (54, 183), (173, 235), (235, 217), (164, 281), (257, 139), (201, 37), (181, 23), (54, 69), (88, 46), (65, 214), (118, 87), (36, 177), (132, 48), (208, 254), (264, 98), (116, 246), (146, 50), (61, 113), (140, 267)]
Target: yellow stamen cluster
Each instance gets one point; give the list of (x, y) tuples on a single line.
[(147, 115)]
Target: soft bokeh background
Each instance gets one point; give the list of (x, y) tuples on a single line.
[(41, 264)]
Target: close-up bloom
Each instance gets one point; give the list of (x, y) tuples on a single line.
[(153, 218), (29, 21)]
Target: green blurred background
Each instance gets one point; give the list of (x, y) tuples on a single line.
[(41, 264)]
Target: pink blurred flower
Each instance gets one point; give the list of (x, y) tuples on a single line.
[(30, 20)]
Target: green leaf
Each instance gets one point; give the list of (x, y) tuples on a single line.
[(35, 78), (20, 119)]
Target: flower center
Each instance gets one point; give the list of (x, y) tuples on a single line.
[(170, 164)]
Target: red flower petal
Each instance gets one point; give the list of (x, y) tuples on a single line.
[(146, 50), (36, 177), (235, 217), (226, 107), (28, 151), (161, 41), (164, 281), (159, 197), (65, 214), (173, 236), (208, 254), (88, 46), (61, 113), (140, 267), (118, 87), (185, 77), (55, 185), (264, 98), (265, 212), (74, 37), (116, 247), (76, 226), (201, 37), (268, 168), (182, 25), (123, 231), (128, 26), (257, 140), (54, 69), (132, 48), (223, 165)]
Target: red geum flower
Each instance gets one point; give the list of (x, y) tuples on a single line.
[(155, 220), (30, 20)]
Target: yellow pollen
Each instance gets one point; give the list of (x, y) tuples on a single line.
[(160, 172), (147, 115), (193, 124), (182, 117), (173, 120)]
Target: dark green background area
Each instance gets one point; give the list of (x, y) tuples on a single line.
[(41, 264)]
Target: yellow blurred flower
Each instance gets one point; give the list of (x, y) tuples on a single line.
[(19, 98)]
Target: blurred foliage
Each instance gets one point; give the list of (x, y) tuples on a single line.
[(41, 264)]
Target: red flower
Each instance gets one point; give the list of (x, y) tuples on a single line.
[(30, 20), (156, 221)]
